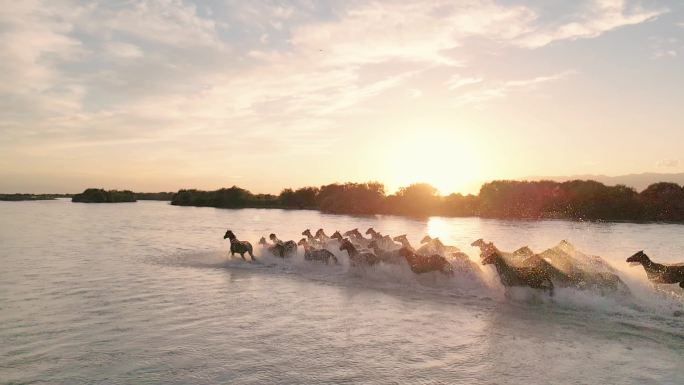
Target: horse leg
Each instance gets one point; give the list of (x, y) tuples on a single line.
[(243, 255)]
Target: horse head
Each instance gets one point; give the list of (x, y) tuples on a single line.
[(400, 238), (354, 232), (426, 239), (479, 243), (638, 258), (229, 234), (262, 241), (307, 233), (337, 235), (524, 251)]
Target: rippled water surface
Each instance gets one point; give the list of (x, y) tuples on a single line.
[(145, 293)]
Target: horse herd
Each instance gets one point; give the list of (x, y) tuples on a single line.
[(560, 266)]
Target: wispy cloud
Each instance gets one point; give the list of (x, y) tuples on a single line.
[(458, 81), (668, 163), (664, 48), (494, 90), (124, 50), (597, 18)]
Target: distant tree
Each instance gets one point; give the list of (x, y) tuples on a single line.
[(458, 205), (517, 199), (158, 196), (95, 195), (287, 198), (663, 202), (352, 198), (418, 199)]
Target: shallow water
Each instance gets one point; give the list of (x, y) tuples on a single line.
[(145, 293)]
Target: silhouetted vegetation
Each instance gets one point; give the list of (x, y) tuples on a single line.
[(31, 197), (576, 200), (96, 195), (154, 196), (663, 202), (233, 197), (351, 198), (303, 198), (588, 200)]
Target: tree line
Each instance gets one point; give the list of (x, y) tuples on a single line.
[(98, 195), (31, 197), (576, 200)]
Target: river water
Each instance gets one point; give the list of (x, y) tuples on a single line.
[(145, 293)]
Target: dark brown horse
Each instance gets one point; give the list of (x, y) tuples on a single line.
[(514, 276), (321, 236), (356, 238), (288, 247), (403, 241), (373, 234), (236, 246), (657, 272), (420, 264), (313, 254), (435, 246), (357, 258), (308, 235)]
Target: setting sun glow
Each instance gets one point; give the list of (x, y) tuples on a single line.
[(437, 157)]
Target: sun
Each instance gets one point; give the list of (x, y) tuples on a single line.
[(438, 157)]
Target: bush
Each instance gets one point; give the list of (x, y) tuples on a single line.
[(95, 195)]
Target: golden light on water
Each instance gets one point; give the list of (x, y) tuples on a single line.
[(439, 228)]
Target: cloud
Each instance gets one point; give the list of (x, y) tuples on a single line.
[(422, 31), (33, 39), (599, 17), (458, 81), (124, 50), (175, 75), (664, 48), (169, 22), (668, 163), (494, 90)]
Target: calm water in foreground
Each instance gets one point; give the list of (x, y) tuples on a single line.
[(144, 293)]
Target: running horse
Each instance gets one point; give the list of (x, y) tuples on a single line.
[(237, 246), (657, 272)]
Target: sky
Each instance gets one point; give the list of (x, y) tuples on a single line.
[(159, 95)]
